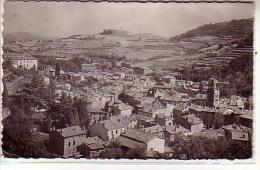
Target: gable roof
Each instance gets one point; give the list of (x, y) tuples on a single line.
[(115, 122), (71, 131), (153, 129), (129, 143), (138, 135), (95, 139), (96, 146), (123, 106)]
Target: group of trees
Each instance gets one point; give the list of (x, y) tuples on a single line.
[(68, 111), (115, 151), (196, 147), (239, 74), (18, 131), (18, 139)]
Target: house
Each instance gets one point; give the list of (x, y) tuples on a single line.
[(169, 79), (64, 142), (200, 99), (155, 130), (89, 67), (26, 62), (134, 139), (98, 115), (170, 132), (190, 122), (113, 127), (237, 133), (180, 110), (142, 70), (164, 120), (92, 147), (246, 119), (231, 115), (144, 121), (150, 110), (214, 134), (237, 101), (123, 109), (211, 117)]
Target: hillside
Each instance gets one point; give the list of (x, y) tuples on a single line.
[(234, 28), (20, 36)]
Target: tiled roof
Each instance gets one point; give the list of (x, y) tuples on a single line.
[(192, 119), (138, 135), (154, 129), (71, 131), (96, 146), (131, 118), (115, 122), (129, 143), (91, 140), (171, 129), (123, 106)]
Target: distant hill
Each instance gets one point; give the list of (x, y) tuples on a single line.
[(234, 28), (20, 36)]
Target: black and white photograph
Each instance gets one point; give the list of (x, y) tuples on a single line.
[(106, 80)]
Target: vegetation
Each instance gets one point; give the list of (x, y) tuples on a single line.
[(107, 32), (234, 28), (203, 148), (18, 138)]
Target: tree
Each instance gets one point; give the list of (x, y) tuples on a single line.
[(51, 90), (81, 106), (5, 94), (57, 69), (36, 91), (73, 118), (136, 153)]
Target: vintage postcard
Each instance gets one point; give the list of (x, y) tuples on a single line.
[(168, 81)]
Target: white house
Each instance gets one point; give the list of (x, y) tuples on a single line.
[(123, 109), (24, 62), (113, 127)]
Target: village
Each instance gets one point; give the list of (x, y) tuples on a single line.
[(123, 110)]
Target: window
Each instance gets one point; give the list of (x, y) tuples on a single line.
[(69, 144), (74, 143)]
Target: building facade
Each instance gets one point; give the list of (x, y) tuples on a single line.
[(64, 142), (24, 62)]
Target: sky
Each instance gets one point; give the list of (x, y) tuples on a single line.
[(62, 19)]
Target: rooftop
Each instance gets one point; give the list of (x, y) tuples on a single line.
[(96, 146), (153, 129), (138, 135), (71, 131), (95, 139), (192, 119), (115, 122), (22, 57), (123, 106)]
